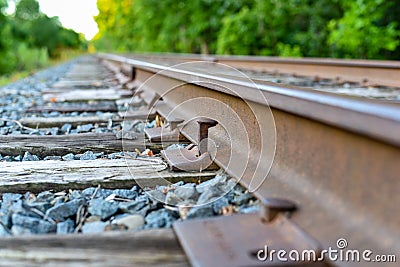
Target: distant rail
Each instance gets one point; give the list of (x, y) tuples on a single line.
[(369, 72)]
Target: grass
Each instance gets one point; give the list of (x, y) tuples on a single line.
[(64, 56), (6, 79)]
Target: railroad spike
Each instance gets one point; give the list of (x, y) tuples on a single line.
[(272, 206), (204, 124)]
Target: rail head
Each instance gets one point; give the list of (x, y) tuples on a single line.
[(372, 118)]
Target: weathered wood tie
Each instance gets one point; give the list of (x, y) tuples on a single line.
[(36, 176)]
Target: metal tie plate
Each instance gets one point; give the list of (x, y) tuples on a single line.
[(236, 240)]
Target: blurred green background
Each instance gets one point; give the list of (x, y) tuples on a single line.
[(301, 28)]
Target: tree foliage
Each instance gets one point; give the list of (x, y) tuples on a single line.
[(27, 10), (366, 36), (29, 37), (7, 61), (317, 28)]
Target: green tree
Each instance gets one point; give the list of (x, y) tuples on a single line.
[(391, 16), (310, 19), (7, 58), (45, 33), (317, 28), (27, 10), (28, 37), (116, 22), (37, 30), (358, 33)]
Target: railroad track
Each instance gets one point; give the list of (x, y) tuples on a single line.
[(367, 72), (323, 166)]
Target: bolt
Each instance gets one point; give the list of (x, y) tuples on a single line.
[(204, 124)]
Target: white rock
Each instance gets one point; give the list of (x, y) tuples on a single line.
[(131, 221)]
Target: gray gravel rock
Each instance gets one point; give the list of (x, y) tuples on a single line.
[(131, 221), (187, 191), (93, 227), (229, 185), (180, 183), (209, 194), (133, 207), (88, 155), (40, 206), (59, 200), (45, 196), (54, 131), (249, 209), (10, 198), (68, 157), (139, 127), (200, 212), (54, 114), (93, 219), (29, 197), (151, 124), (66, 227), (176, 146), (161, 218), (102, 208), (37, 132), (4, 131), (172, 198), (66, 128), (88, 191), (22, 209), (127, 125), (64, 210), (218, 181), (8, 158), (243, 198), (84, 128), (100, 154), (103, 193), (29, 157), (125, 193), (219, 204), (116, 155), (157, 195), (75, 194), (36, 226)]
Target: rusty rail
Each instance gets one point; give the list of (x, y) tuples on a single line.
[(336, 157), (368, 72)]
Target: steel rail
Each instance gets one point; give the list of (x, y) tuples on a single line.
[(368, 72), (337, 157), (368, 117)]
